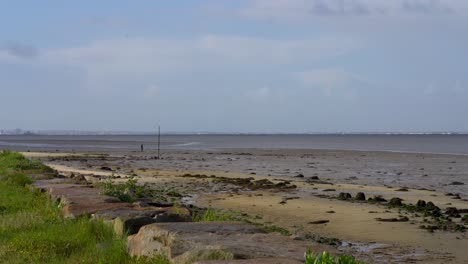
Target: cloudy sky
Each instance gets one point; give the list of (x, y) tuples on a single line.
[(235, 66)]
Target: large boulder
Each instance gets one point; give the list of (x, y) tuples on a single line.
[(127, 221), (191, 241)]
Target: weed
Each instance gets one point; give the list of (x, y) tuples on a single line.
[(326, 258), (211, 215), (129, 191)]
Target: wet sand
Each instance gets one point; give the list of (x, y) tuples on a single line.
[(426, 176)]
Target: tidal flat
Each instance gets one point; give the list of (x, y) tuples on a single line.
[(312, 194)]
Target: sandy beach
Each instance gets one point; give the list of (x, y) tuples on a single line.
[(311, 209)]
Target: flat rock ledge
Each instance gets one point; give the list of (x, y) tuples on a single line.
[(252, 261), (78, 200), (169, 230), (192, 241)]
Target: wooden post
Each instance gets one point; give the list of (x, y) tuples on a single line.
[(159, 142)]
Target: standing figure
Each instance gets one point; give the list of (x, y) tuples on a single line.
[(141, 147)]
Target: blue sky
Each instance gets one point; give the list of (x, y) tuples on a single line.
[(235, 66)]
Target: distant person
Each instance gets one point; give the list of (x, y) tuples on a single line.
[(141, 147)]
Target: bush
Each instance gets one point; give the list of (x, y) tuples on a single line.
[(211, 215), (129, 191), (326, 258)]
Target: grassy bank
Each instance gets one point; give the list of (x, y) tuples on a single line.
[(32, 229)]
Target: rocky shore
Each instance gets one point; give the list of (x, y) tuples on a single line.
[(380, 207)]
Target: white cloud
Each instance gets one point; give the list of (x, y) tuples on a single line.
[(154, 55)]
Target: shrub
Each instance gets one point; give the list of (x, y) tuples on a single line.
[(211, 215), (129, 191), (326, 258)]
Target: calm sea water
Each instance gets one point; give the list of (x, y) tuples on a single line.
[(454, 144)]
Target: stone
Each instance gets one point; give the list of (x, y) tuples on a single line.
[(395, 201), (252, 261), (452, 212), (360, 196), (182, 240), (319, 222), (421, 203), (457, 183), (344, 196), (378, 198), (432, 206)]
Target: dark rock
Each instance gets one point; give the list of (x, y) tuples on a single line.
[(431, 206), (344, 196), (395, 201), (465, 219), (106, 168), (314, 178), (457, 183), (319, 222), (402, 190), (300, 176), (421, 203), (452, 212), (360, 196), (378, 198), (329, 190), (401, 219)]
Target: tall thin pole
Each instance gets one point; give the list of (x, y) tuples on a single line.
[(159, 141)]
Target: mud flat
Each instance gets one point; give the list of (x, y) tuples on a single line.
[(312, 195)]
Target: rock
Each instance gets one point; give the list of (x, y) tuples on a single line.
[(319, 222), (314, 178), (252, 261), (378, 198), (130, 220), (300, 176), (401, 219), (329, 190), (465, 219), (77, 199), (456, 183), (452, 212), (105, 168), (404, 189), (344, 196), (421, 203), (395, 201), (180, 241), (431, 206), (360, 196)]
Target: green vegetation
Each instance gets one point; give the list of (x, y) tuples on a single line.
[(32, 229), (326, 258), (210, 215), (129, 191)]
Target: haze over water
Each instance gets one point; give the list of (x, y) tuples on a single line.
[(450, 144)]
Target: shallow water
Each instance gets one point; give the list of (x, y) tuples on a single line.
[(452, 144)]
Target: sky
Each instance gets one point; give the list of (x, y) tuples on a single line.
[(260, 66)]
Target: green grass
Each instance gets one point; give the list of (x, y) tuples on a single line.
[(211, 215), (326, 258), (32, 229), (129, 191)]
